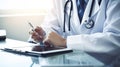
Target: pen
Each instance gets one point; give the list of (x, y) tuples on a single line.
[(41, 43), (31, 26)]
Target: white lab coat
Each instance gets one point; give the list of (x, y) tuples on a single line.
[(104, 37)]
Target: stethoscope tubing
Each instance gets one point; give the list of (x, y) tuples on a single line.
[(71, 8), (91, 8), (89, 23)]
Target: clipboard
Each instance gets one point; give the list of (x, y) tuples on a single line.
[(46, 53), (2, 35)]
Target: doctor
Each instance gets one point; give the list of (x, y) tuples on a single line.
[(97, 32)]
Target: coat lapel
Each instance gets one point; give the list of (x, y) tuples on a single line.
[(95, 8)]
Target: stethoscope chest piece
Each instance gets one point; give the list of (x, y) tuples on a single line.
[(89, 23)]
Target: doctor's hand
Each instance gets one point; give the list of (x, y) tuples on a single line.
[(55, 40), (38, 34)]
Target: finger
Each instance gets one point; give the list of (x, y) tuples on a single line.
[(40, 31), (36, 37), (47, 42)]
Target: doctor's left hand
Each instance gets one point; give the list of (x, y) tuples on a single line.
[(55, 40)]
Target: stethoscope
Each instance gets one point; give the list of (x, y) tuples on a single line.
[(65, 12), (89, 23)]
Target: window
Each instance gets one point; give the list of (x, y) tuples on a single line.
[(25, 7)]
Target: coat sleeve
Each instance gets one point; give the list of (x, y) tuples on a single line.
[(52, 21), (107, 41)]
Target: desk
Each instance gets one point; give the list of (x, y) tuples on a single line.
[(74, 59)]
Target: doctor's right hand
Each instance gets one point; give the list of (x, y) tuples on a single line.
[(38, 34)]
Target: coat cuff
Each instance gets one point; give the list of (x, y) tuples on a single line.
[(74, 42)]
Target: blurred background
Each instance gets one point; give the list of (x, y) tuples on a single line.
[(15, 15)]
